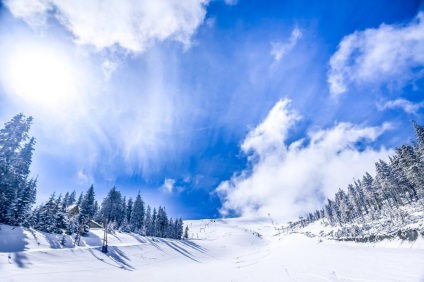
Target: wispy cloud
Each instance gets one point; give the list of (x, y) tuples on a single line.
[(279, 49), (231, 2), (168, 185), (407, 106), (290, 179), (388, 54), (131, 25), (109, 126)]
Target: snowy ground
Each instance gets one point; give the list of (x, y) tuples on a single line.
[(220, 250)]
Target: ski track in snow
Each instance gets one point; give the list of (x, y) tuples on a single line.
[(220, 250)]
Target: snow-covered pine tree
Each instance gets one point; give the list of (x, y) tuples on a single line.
[(72, 198), (162, 222), (148, 222), (328, 212), (46, 217), (111, 208), (370, 191), (122, 220), (335, 211), (179, 229), (356, 202), (345, 206), (129, 209), (88, 207), (61, 218), (155, 231), (17, 190), (170, 232), (413, 169), (419, 133), (23, 203), (361, 198), (137, 216), (79, 201), (65, 202), (96, 208), (186, 232), (387, 184)]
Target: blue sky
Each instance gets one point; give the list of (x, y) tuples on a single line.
[(216, 108)]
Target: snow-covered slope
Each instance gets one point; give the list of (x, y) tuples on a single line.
[(218, 250)]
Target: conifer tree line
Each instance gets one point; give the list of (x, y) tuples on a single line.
[(396, 183), (17, 189), (71, 213)]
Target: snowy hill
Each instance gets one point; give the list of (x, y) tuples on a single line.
[(218, 250)]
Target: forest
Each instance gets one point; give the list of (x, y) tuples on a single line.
[(68, 214), (393, 198)]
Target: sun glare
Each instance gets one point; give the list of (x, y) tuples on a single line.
[(42, 76)]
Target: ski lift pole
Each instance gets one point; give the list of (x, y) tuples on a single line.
[(104, 247)]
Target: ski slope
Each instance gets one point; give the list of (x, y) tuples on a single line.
[(218, 250)]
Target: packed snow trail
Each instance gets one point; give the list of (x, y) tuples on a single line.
[(218, 250)]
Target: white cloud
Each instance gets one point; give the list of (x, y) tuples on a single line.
[(279, 49), (84, 178), (407, 106), (387, 54), (288, 180), (231, 2), (168, 185), (108, 67), (131, 25)]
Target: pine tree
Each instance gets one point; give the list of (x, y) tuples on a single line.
[(170, 232), (88, 207), (137, 216), (96, 207), (162, 222), (179, 229), (370, 191), (154, 223), (112, 207), (335, 211), (65, 202), (123, 216), (419, 133), (186, 232), (328, 212), (387, 182), (345, 206), (356, 202), (129, 209), (47, 217), (361, 198), (72, 198), (148, 222), (411, 169), (79, 199), (17, 190)]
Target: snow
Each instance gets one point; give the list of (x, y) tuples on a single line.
[(218, 250)]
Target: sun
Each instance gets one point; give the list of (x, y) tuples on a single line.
[(42, 76)]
